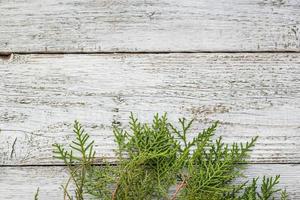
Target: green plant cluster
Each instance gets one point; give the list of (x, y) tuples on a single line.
[(162, 161)]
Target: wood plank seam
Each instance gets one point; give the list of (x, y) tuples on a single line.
[(4, 55)]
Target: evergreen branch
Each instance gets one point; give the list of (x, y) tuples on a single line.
[(78, 163), (154, 157)]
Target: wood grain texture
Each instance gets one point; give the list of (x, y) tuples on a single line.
[(22, 182), (250, 94), (149, 25)]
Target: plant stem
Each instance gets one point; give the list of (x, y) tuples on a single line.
[(178, 188)]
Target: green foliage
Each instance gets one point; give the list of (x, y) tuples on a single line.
[(154, 158), (266, 190), (78, 160)]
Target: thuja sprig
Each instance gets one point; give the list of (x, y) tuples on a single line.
[(254, 191), (154, 157), (212, 167), (153, 160), (78, 159)]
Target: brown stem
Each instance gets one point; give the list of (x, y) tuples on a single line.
[(178, 188), (115, 192)]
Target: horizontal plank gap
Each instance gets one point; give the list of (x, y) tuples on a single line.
[(4, 55), (113, 164)]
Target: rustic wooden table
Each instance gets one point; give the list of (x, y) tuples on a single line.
[(236, 61)]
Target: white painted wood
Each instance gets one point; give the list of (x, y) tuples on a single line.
[(149, 25), (22, 182), (251, 94)]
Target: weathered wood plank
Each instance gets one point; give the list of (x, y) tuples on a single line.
[(151, 25), (251, 94), (22, 182)]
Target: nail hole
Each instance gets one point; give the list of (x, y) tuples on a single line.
[(6, 56)]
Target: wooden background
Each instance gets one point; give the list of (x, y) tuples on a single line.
[(236, 61)]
